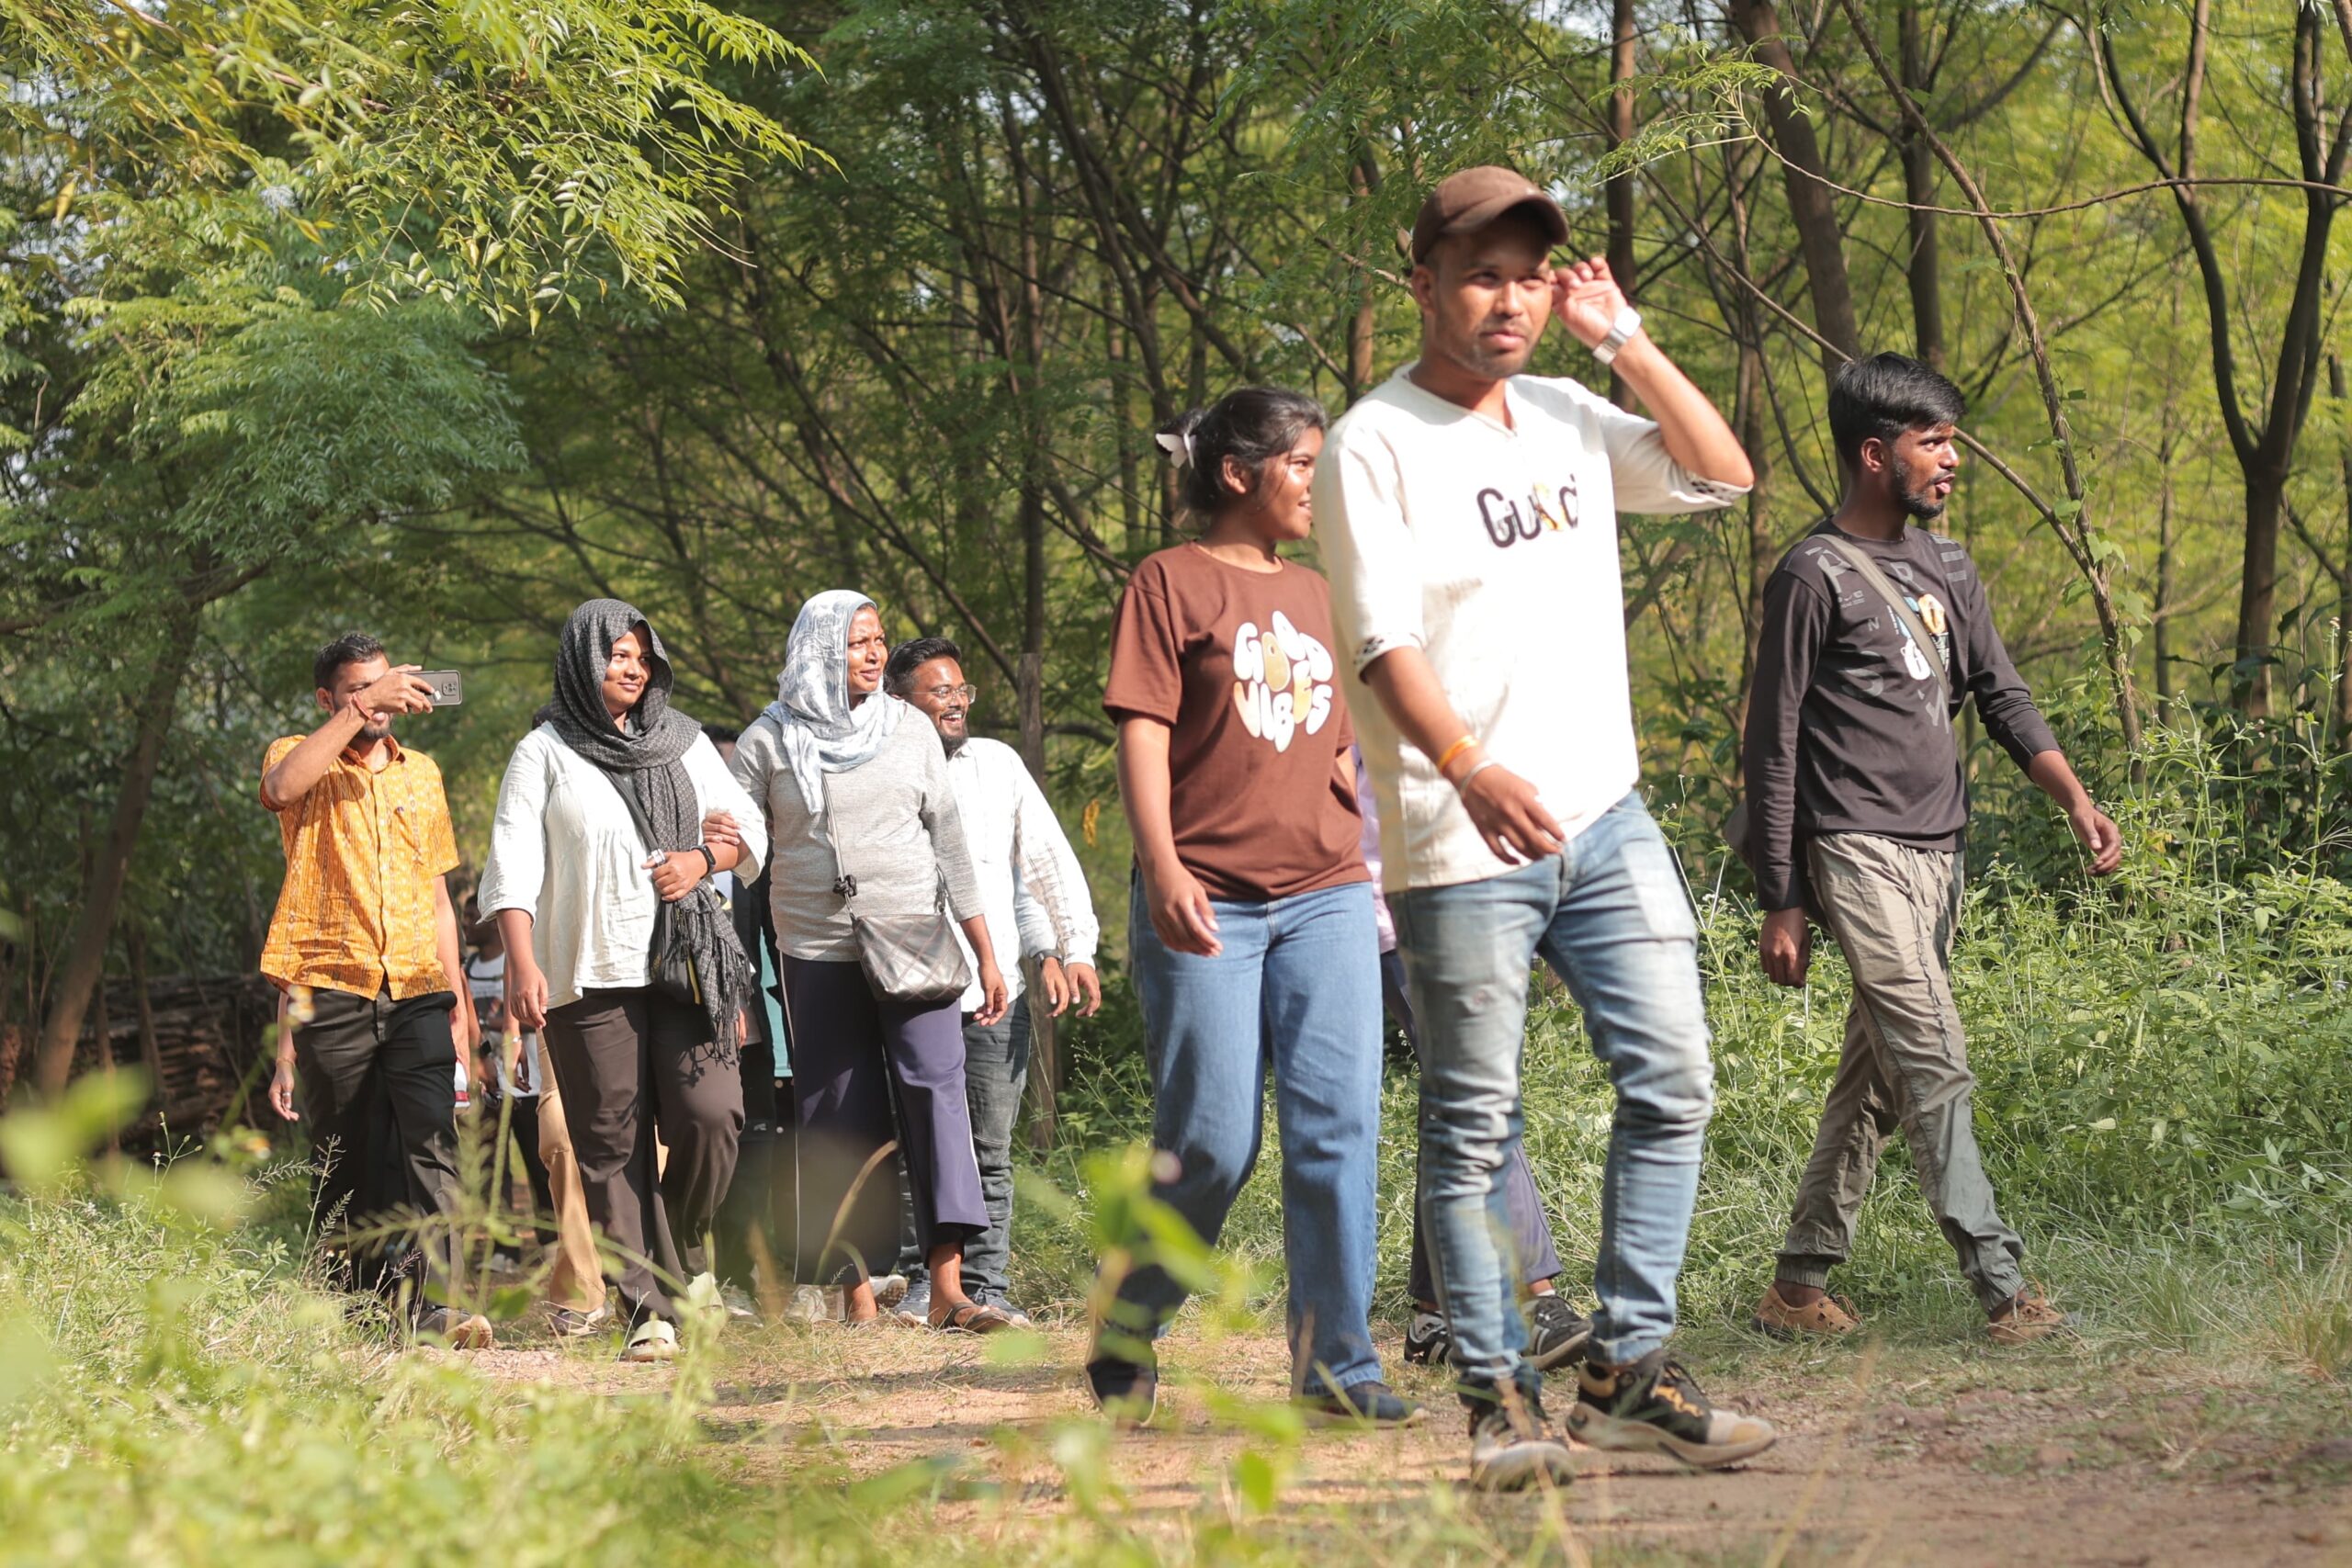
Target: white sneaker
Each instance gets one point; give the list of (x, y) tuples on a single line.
[(889, 1290), (810, 1303), (653, 1341)]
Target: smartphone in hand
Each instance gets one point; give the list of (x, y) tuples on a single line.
[(449, 686)]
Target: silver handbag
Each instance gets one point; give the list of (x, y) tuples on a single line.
[(912, 959)]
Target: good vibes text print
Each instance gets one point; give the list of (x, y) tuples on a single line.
[(1281, 680)]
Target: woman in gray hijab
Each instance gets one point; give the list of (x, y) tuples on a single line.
[(606, 815), (836, 760)]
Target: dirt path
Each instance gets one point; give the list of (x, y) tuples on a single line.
[(1908, 1455)]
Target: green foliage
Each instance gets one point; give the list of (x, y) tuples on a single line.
[(511, 158)]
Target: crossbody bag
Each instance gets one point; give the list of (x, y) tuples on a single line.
[(912, 959), (1739, 827)]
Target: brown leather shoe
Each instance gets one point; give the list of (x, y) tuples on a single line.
[(1827, 1317), (2028, 1316)]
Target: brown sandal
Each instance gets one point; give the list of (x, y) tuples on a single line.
[(968, 1316)]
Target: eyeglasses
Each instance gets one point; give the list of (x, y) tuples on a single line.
[(964, 694)]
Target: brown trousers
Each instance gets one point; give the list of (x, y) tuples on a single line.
[(635, 1074)]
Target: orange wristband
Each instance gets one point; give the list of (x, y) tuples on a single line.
[(1455, 750)]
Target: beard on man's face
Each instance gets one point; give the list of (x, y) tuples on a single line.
[(376, 729), (1919, 500)]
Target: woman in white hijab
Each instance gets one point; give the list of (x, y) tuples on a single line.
[(835, 760)]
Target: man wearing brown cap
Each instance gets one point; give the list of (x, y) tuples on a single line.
[(1468, 513)]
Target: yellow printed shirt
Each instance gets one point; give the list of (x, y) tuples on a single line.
[(363, 849)]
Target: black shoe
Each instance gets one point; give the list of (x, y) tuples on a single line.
[(1555, 1332), (1514, 1449), (1428, 1339), (1126, 1391), (1654, 1406), (1360, 1404)]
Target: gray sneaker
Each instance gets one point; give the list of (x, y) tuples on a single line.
[(915, 1305), (1513, 1450)]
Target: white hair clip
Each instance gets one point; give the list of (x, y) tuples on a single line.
[(1177, 445)]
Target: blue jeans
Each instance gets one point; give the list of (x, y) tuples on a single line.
[(1608, 913), (1298, 985)]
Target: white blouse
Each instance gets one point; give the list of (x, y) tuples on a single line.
[(564, 850)]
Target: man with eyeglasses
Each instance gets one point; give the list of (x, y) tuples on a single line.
[(1032, 888)]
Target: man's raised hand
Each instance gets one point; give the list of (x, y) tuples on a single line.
[(1587, 299)]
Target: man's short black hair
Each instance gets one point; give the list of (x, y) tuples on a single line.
[(1884, 396), (351, 647), (720, 734), (912, 655)]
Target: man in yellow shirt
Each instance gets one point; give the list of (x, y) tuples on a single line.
[(364, 942)]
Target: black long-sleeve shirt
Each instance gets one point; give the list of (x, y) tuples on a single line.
[(1843, 734)]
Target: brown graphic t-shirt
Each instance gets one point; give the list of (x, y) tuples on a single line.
[(1237, 663)]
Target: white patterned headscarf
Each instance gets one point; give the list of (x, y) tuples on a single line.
[(823, 733)]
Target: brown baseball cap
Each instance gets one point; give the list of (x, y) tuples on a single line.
[(1467, 201)]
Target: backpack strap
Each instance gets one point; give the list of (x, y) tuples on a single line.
[(1860, 559)]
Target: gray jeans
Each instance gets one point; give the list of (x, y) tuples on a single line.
[(1892, 909), (995, 1070)]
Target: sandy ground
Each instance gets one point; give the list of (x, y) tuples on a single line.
[(1909, 1454)]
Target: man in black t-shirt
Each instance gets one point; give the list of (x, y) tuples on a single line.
[(1858, 807)]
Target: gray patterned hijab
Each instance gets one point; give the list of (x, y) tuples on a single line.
[(822, 732)]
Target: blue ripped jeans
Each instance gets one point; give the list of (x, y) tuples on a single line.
[(1610, 916)]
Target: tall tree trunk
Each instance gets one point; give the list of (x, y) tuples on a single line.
[(2258, 638), (2168, 592), (2343, 574), (1810, 204), (1919, 190), (1749, 421), (102, 890), (102, 1028), (1618, 192), (2266, 452)]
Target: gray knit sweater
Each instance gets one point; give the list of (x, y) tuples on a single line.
[(895, 818)]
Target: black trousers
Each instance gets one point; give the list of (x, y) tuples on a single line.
[(378, 1083), (630, 1065)]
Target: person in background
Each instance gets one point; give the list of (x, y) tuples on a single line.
[(755, 1250), (1554, 1330), (1249, 915), (1858, 809), (859, 804), (1033, 897), (576, 884), (1470, 525), (575, 1287), (364, 945)]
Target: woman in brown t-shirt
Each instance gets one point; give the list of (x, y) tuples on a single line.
[(1251, 924)]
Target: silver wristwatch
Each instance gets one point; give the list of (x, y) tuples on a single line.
[(1620, 331)]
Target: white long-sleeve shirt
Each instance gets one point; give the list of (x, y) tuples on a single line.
[(1492, 547), (1032, 888), (564, 850)]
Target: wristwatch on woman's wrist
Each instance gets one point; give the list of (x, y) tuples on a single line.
[(709, 860)]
